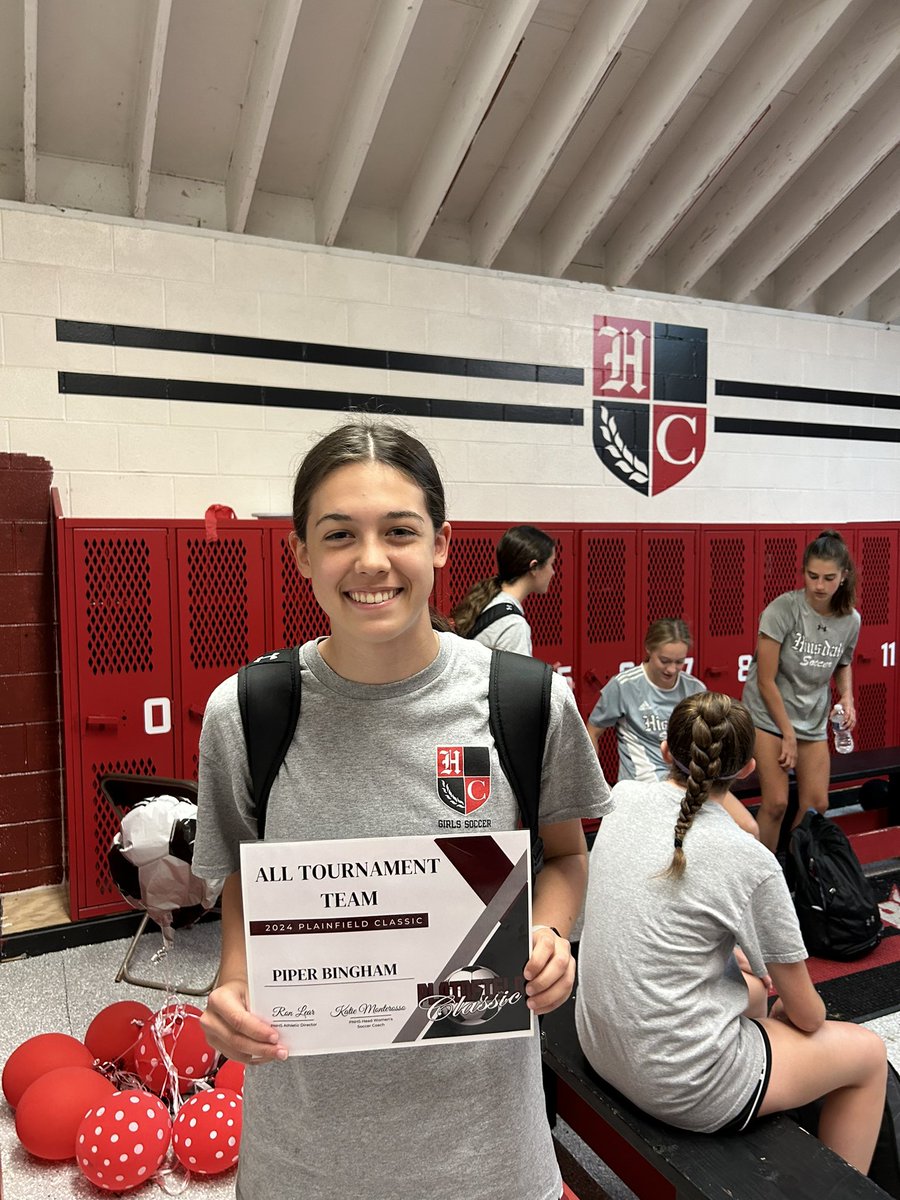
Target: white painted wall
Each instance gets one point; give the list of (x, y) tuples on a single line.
[(156, 458)]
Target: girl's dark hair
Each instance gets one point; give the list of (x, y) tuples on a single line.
[(368, 441), (710, 738), (517, 550), (665, 630), (831, 547)]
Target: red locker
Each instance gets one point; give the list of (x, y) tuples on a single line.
[(220, 617), (875, 675), (779, 555), (668, 577), (552, 616), (120, 715), (295, 616), (473, 555), (608, 635), (725, 635)]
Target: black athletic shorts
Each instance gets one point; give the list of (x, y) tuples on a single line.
[(747, 1115)]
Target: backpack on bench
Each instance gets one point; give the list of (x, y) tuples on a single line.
[(519, 713), (835, 904)]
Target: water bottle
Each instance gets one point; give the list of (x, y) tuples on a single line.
[(843, 738)]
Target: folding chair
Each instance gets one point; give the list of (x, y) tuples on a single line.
[(123, 792)]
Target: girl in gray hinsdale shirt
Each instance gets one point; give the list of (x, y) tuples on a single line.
[(663, 1011), (806, 639), (380, 695)]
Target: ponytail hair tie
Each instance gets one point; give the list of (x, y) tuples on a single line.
[(678, 843)]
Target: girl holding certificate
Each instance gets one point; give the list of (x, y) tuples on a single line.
[(381, 694)]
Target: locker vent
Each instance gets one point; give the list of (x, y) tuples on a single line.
[(606, 599), (609, 756), (544, 613), (301, 617), (106, 825), (119, 605), (871, 715), (728, 581), (217, 603), (471, 559), (781, 567), (665, 578), (875, 580)]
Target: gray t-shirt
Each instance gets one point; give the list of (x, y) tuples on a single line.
[(439, 1121), (659, 1001), (509, 632), (812, 647), (640, 712)]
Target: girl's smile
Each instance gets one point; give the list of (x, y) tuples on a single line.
[(370, 553)]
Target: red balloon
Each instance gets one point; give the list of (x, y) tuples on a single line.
[(122, 1142), (230, 1075), (175, 1028), (37, 1056), (51, 1109), (114, 1032), (206, 1134)]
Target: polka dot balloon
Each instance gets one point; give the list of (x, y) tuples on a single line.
[(206, 1135), (176, 1030), (123, 1141)]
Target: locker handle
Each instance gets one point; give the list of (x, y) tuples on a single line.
[(714, 671), (196, 711), (102, 722), (865, 657), (591, 678)]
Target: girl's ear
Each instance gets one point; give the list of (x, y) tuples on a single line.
[(666, 753), (441, 544), (300, 552)]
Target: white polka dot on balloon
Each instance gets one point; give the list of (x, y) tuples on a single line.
[(202, 1126), (138, 1146)]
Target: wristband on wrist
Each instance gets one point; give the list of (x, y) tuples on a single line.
[(552, 929)]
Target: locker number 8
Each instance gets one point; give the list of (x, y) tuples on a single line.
[(744, 661)]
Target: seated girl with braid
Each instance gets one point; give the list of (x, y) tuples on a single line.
[(664, 1012)]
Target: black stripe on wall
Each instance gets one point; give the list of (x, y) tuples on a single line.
[(807, 429), (146, 338), (804, 395), (142, 387)]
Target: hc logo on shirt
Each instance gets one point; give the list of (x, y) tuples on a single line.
[(650, 415), (463, 777)]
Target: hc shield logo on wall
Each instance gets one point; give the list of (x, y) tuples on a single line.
[(649, 400), (463, 777)]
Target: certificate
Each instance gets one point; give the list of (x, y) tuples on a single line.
[(370, 943)]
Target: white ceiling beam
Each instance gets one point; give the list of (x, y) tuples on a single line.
[(864, 273), (29, 102), (146, 108), (381, 59), (836, 170), (857, 64), (852, 224), (591, 49), (884, 305), (269, 60), (666, 81), (502, 27), (729, 116)]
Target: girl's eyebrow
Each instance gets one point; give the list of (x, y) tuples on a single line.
[(400, 515)]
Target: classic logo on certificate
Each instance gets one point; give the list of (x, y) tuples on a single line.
[(372, 943)]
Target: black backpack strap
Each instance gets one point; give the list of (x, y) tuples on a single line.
[(493, 613), (519, 708), (269, 700)]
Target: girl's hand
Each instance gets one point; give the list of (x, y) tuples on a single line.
[(550, 972), (788, 756), (849, 712), (233, 1030)]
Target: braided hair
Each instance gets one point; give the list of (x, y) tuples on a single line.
[(710, 738)]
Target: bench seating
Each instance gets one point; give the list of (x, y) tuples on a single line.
[(859, 765), (775, 1159)]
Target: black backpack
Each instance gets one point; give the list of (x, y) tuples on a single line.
[(839, 917), (519, 713), (493, 613)]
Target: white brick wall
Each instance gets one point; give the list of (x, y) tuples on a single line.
[(124, 456)]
